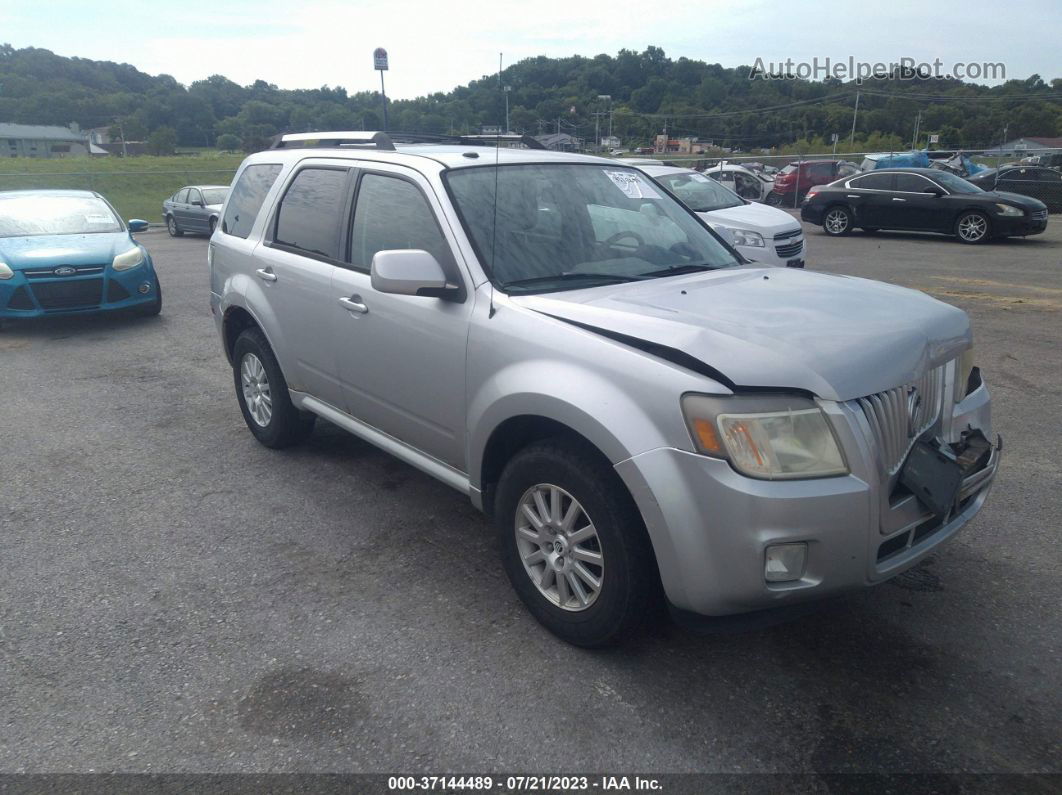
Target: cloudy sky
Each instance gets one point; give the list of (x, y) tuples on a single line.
[(435, 45)]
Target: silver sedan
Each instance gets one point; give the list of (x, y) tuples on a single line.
[(194, 208)]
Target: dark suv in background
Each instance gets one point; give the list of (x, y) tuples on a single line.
[(792, 182)]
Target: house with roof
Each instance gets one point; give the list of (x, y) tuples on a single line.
[(1025, 146), (35, 140)]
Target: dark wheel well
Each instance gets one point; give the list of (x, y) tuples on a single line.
[(512, 436), (236, 320)]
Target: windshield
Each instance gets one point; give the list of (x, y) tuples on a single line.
[(562, 226), (955, 184), (699, 193), (214, 195), (36, 214)]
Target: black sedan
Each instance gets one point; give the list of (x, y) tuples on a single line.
[(923, 200), (1041, 183)]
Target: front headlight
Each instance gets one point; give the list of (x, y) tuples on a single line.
[(5, 271), (746, 237), (772, 438), (128, 260), (1009, 209)]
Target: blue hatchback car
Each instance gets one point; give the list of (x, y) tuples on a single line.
[(67, 252)]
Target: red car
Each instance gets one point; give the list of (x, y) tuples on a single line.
[(792, 182)]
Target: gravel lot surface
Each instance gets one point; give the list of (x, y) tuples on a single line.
[(178, 598)]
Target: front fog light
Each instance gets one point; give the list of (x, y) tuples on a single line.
[(145, 288), (785, 562)]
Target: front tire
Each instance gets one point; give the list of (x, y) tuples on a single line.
[(212, 226), (573, 544), (972, 227), (263, 395), (837, 221), (172, 228)]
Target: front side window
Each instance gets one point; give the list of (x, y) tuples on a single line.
[(563, 226), (392, 213), (28, 214), (247, 198), (872, 182), (309, 213), (699, 193), (912, 183)]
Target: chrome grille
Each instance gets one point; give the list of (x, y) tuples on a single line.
[(1039, 215), (790, 250), (898, 416)]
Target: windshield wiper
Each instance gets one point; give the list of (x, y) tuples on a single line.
[(561, 278), (678, 270)]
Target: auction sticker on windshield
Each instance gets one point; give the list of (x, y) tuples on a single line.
[(632, 185)]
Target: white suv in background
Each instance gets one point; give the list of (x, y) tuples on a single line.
[(760, 232)]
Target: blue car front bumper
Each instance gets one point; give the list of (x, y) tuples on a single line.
[(39, 292)]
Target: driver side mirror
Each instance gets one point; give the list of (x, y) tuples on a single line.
[(934, 191), (410, 272), (137, 225)]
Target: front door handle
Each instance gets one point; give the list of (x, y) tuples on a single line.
[(354, 304), (897, 199), (266, 275)]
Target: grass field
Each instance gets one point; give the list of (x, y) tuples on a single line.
[(136, 186)]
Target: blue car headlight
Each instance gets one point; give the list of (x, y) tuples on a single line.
[(128, 260)]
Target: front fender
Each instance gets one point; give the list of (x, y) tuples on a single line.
[(584, 401)]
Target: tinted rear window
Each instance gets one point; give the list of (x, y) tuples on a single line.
[(308, 218), (873, 182), (247, 197)]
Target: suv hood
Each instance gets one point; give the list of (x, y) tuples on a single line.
[(38, 251), (756, 217), (837, 337)]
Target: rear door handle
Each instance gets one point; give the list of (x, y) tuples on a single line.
[(850, 196), (354, 304), (897, 199), (266, 275)]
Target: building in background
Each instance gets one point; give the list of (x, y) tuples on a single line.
[(1025, 146), (32, 140), (560, 142), (682, 146)]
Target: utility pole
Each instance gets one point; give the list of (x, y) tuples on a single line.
[(506, 90), (851, 138), (121, 132), (918, 123)]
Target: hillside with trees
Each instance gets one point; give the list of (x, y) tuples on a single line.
[(649, 91)]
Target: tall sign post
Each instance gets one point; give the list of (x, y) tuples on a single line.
[(379, 61)]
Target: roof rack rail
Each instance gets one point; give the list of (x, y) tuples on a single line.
[(314, 140), (387, 141)]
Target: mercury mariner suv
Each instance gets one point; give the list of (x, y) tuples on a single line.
[(641, 411)]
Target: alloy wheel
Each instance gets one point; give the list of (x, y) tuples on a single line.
[(972, 228), (836, 221), (256, 393), (559, 547)]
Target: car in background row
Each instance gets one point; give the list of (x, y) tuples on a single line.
[(760, 233), (1041, 183), (745, 182), (922, 200), (792, 183), (68, 252), (194, 208)]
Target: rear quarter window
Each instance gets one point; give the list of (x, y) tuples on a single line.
[(247, 197)]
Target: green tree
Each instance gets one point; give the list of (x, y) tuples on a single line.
[(162, 142), (228, 142)]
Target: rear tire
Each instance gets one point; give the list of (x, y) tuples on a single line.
[(263, 396), (172, 228), (551, 563), (837, 221), (972, 227), (774, 199)]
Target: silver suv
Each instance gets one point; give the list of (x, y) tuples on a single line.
[(642, 412)]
